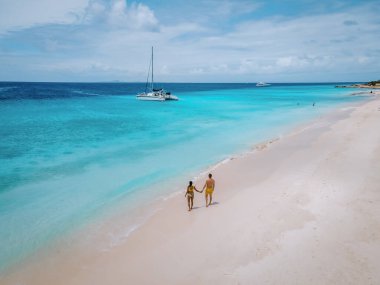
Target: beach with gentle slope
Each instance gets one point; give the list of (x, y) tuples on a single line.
[(113, 111), (300, 209)]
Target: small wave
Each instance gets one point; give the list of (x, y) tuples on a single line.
[(7, 88), (116, 239), (172, 195)]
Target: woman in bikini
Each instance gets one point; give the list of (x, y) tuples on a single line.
[(190, 194)]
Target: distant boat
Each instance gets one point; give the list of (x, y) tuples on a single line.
[(152, 94), (262, 84)]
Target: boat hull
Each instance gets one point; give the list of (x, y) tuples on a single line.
[(156, 96), (149, 98), (171, 98)]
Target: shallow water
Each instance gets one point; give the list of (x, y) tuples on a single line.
[(69, 152)]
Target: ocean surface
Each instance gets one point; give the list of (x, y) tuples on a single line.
[(70, 152)]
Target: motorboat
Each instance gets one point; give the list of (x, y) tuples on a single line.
[(262, 84)]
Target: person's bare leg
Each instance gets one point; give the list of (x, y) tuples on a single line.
[(191, 203), (206, 199), (210, 199), (188, 203)]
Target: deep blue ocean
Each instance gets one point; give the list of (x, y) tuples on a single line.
[(70, 151)]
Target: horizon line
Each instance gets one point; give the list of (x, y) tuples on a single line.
[(164, 82)]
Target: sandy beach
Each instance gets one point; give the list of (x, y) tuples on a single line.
[(300, 209)]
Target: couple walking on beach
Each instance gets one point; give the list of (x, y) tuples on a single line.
[(209, 186)]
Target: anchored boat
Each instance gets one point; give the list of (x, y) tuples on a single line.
[(262, 84), (152, 94)]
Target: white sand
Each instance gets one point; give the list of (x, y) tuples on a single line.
[(301, 210)]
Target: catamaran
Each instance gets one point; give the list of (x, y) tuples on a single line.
[(151, 94)]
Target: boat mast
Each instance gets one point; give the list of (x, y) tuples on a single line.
[(152, 68)]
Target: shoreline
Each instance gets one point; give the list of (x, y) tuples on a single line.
[(72, 274), (359, 86), (72, 235)]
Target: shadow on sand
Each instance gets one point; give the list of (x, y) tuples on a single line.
[(199, 207)]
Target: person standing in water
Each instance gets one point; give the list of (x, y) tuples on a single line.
[(190, 194), (210, 186)]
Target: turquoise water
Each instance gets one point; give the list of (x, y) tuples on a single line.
[(70, 151)]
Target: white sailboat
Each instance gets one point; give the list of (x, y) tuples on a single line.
[(152, 94)]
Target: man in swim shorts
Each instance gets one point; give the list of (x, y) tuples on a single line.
[(209, 186)]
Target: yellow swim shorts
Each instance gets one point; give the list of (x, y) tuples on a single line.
[(209, 190)]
